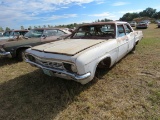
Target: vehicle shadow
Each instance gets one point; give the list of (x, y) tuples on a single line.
[(37, 96), (7, 61)]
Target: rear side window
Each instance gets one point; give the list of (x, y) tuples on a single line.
[(120, 30)]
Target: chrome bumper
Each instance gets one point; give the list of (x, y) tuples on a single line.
[(6, 54), (73, 76)]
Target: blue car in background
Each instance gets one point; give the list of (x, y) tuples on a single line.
[(12, 34)]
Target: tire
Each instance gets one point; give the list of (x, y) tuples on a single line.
[(20, 55)]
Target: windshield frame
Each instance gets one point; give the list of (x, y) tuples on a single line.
[(110, 34)]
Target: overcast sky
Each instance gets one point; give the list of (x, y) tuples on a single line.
[(15, 13)]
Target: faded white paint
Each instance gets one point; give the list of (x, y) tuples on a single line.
[(86, 54)]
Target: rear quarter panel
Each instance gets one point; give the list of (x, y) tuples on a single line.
[(138, 35)]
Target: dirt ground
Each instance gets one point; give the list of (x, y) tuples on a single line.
[(130, 90)]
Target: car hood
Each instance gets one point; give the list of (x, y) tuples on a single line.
[(67, 47), (4, 38), (4, 41)]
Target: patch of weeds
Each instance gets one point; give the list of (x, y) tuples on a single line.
[(151, 83), (155, 97)]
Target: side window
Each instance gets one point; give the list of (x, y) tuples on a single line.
[(59, 33), (80, 33), (53, 33), (22, 33), (16, 33), (127, 29), (50, 33), (120, 31)]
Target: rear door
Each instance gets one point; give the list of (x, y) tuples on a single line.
[(122, 41), (130, 35)]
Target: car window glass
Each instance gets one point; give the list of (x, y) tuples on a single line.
[(127, 29), (50, 32), (6, 34), (120, 30), (79, 33), (104, 31), (1, 34), (60, 33), (16, 33), (34, 33), (22, 32)]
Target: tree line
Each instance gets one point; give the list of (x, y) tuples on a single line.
[(147, 13), (71, 26)]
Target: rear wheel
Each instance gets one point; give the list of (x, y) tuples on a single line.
[(21, 55)]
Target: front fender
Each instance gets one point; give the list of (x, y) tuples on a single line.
[(21, 47)]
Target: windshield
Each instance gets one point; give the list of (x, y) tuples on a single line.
[(106, 31), (34, 34)]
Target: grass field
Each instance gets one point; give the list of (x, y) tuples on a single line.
[(130, 90)]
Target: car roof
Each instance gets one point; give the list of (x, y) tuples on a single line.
[(103, 23), (48, 28), (17, 30), (62, 29)]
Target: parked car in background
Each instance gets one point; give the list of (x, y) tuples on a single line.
[(16, 47), (158, 24), (147, 21), (91, 46), (156, 21), (133, 23), (12, 34), (1, 34), (142, 24)]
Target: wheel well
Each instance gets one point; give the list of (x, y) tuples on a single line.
[(137, 42), (21, 48), (105, 63)]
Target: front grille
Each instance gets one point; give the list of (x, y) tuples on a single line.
[(50, 64)]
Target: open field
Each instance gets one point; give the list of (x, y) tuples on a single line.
[(130, 90)]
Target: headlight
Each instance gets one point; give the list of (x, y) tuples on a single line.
[(70, 67)]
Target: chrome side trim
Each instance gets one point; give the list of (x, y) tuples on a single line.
[(6, 54), (74, 76)]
